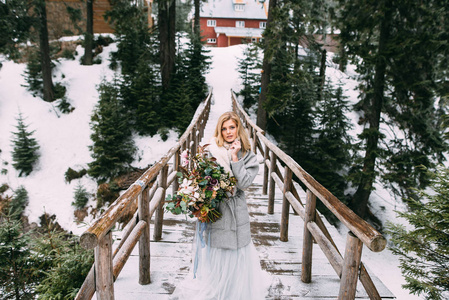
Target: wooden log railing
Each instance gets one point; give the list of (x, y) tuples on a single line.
[(349, 268), (149, 192)]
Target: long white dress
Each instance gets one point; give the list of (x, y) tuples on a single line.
[(224, 274)]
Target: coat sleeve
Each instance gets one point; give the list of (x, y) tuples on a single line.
[(245, 170)]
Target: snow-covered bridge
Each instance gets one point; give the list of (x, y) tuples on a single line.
[(303, 264)]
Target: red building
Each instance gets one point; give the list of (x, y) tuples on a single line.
[(231, 22)]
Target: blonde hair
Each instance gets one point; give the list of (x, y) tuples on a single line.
[(242, 134)]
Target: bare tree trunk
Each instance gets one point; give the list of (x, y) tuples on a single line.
[(45, 51), (343, 60), (359, 202), (167, 45), (89, 35), (196, 23), (172, 32), (322, 75), (266, 71)]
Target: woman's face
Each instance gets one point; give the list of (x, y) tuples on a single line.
[(229, 131)]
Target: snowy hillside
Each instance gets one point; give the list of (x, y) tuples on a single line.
[(63, 138), (64, 141)]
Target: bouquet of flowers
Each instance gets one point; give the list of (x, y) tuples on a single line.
[(203, 185)]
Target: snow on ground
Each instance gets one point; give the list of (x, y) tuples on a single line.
[(64, 141), (63, 138)]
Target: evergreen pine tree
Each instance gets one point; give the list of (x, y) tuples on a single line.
[(188, 86), (64, 263), (333, 145), (179, 109), (15, 25), (134, 41), (33, 72), (424, 248), (249, 69), (18, 273), (113, 147), (293, 120), (141, 96), (81, 197), (397, 47), (198, 63), (25, 148), (138, 60), (18, 202)]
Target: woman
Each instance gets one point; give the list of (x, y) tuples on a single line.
[(227, 266)]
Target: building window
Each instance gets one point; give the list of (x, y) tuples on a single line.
[(253, 40), (239, 7), (263, 25), (240, 24), (211, 23), (212, 41)]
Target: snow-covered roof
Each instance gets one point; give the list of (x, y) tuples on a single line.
[(240, 32), (253, 9)]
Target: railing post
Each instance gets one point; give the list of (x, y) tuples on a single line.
[(176, 159), (272, 184), (144, 241), (306, 274), (266, 156), (104, 274), (286, 204), (351, 265), (254, 145), (198, 139), (202, 120), (188, 143), (192, 148), (159, 218), (195, 137)]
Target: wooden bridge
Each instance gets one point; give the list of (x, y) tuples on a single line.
[(295, 244)]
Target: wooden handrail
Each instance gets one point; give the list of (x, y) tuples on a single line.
[(372, 238), (108, 264), (243, 115), (89, 239), (348, 268)]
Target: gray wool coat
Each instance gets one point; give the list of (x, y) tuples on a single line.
[(232, 230)]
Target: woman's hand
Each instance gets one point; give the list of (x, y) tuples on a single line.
[(235, 148)]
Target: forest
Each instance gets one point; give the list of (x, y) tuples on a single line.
[(400, 52)]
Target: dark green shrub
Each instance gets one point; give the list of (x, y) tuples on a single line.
[(59, 90), (71, 174), (64, 106), (68, 54), (164, 133), (3, 188), (103, 41), (18, 202), (107, 193)]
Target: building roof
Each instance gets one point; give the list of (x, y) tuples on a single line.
[(254, 9), (240, 32)]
